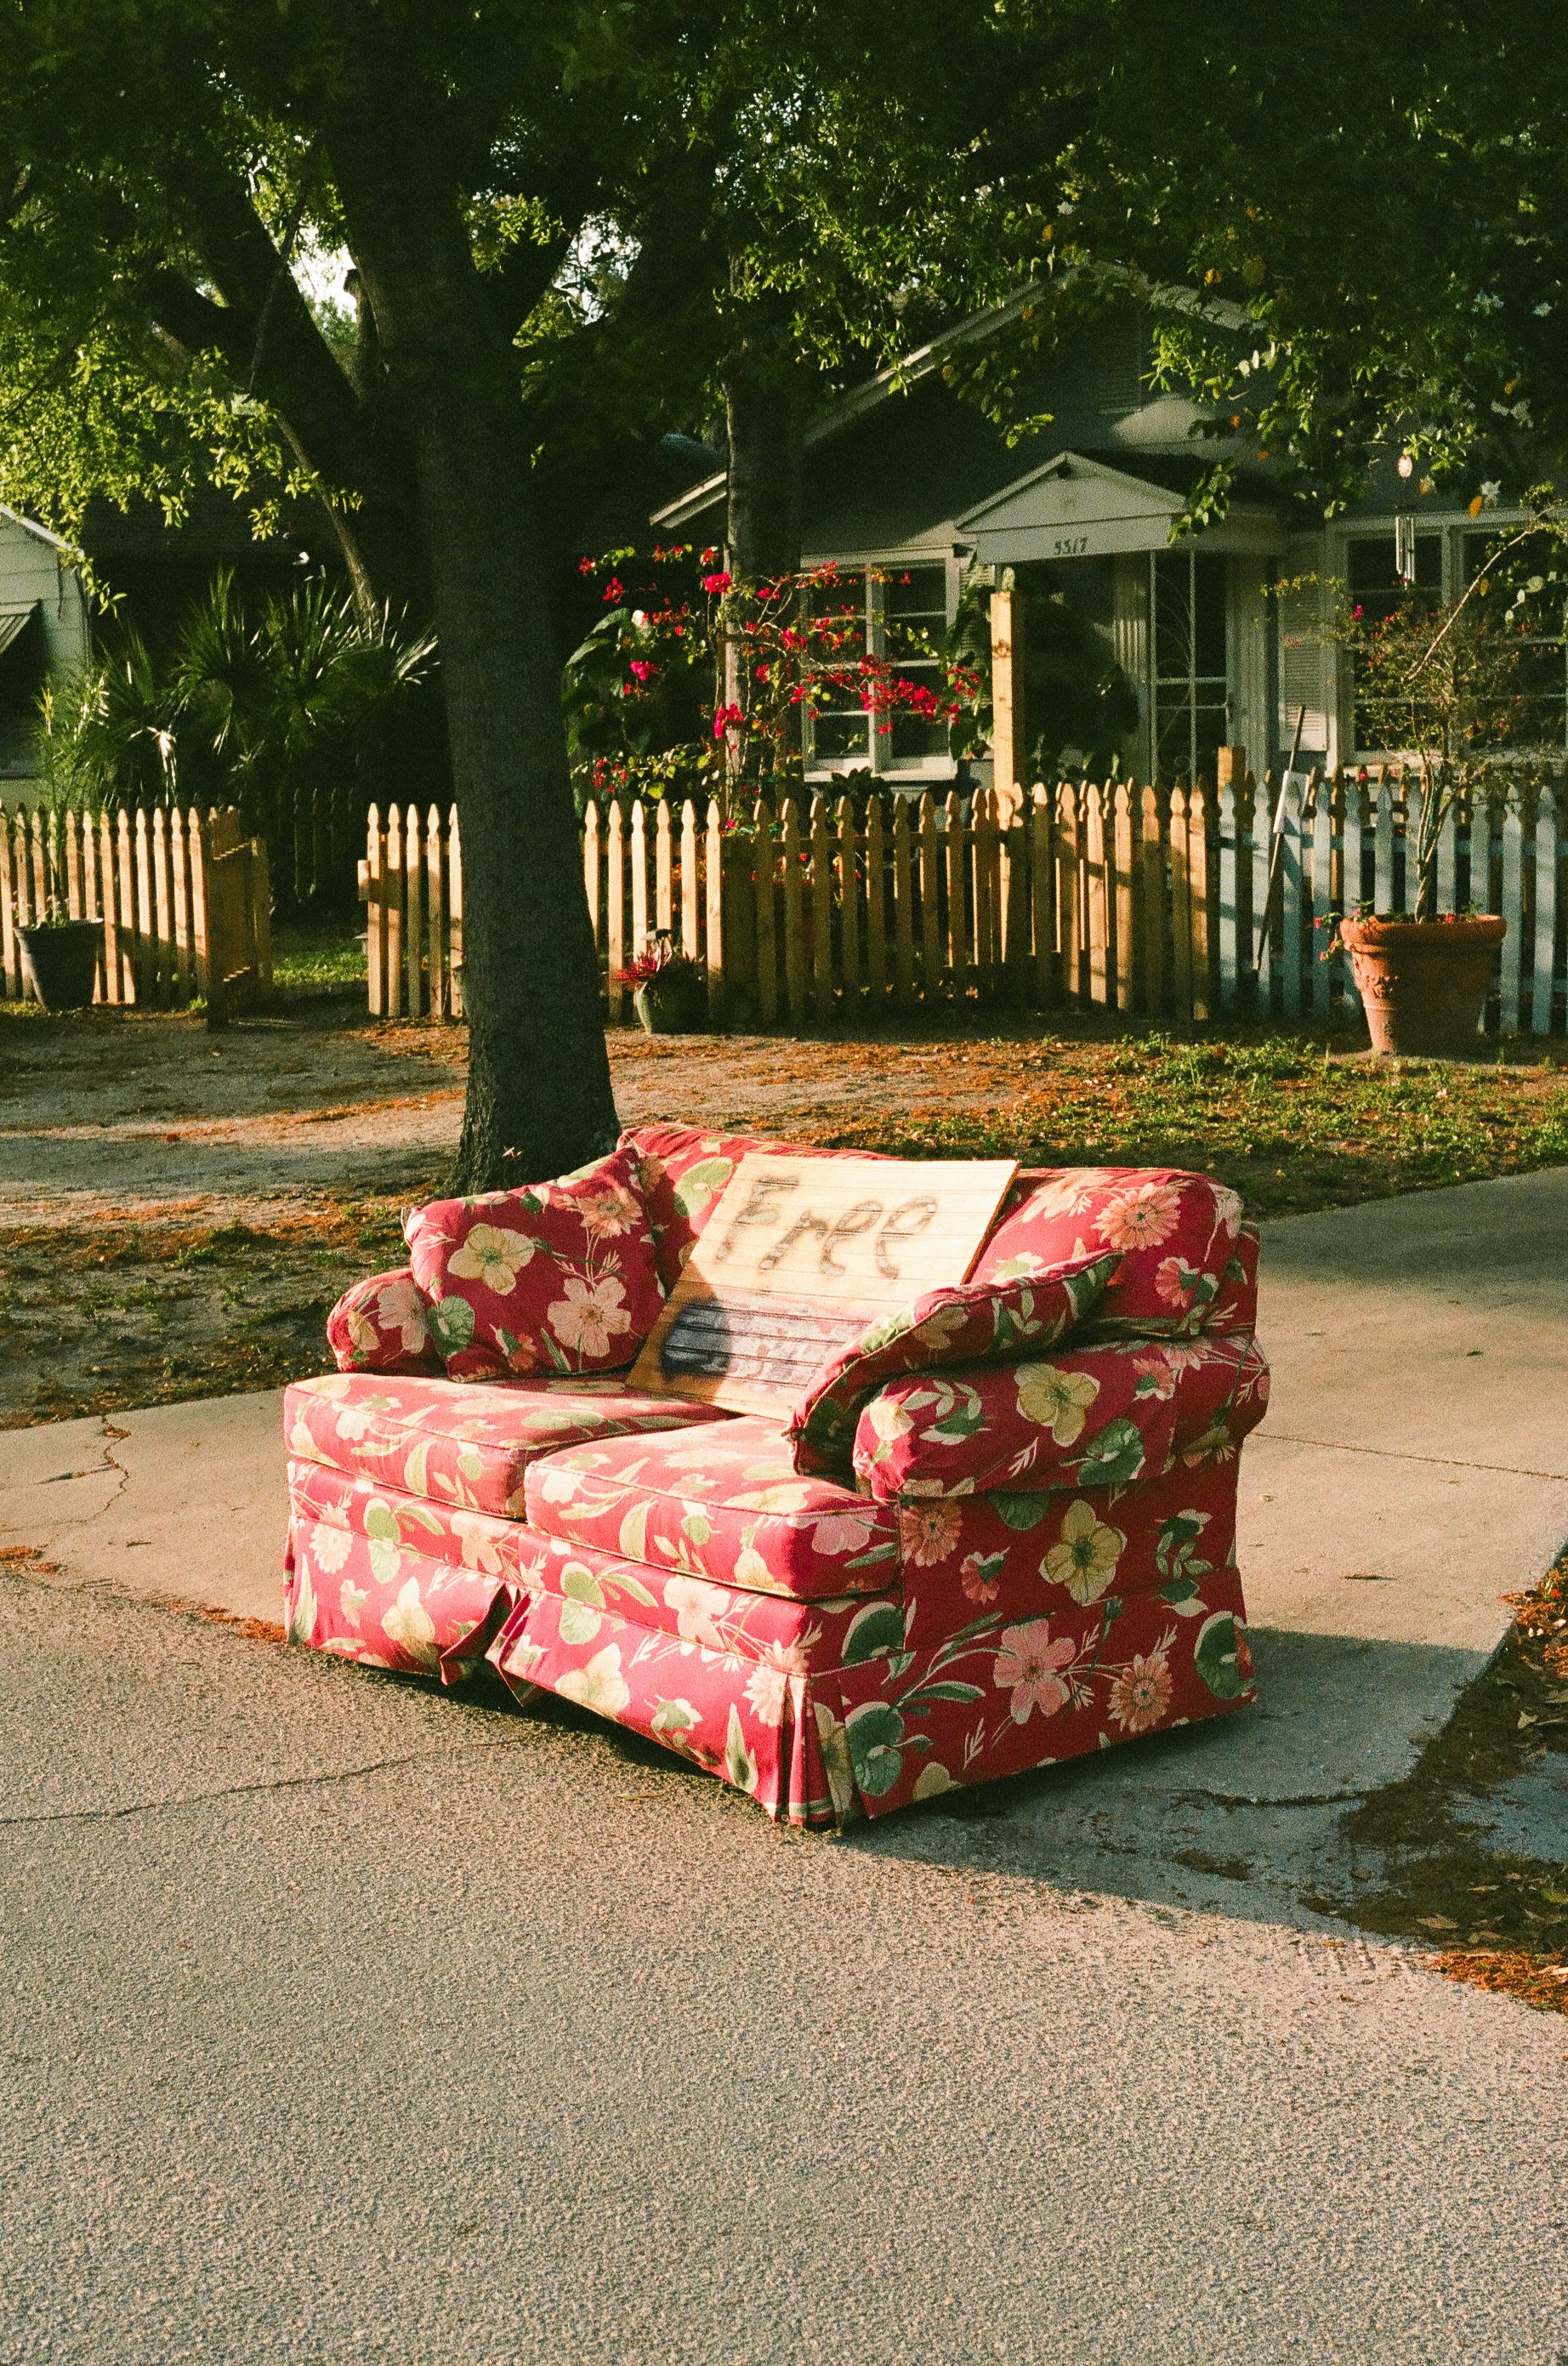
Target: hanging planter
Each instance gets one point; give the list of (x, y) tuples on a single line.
[(669, 991), (1422, 983)]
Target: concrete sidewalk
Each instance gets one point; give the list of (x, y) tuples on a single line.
[(1412, 1471)]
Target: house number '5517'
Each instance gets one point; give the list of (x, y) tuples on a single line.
[(1069, 546)]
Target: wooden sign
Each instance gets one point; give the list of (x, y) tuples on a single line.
[(798, 1257)]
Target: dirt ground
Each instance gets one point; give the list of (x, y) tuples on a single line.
[(178, 1208)]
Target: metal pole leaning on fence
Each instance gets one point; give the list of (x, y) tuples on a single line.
[(1276, 845)]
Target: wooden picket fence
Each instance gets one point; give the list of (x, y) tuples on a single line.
[(184, 900), (1151, 903)]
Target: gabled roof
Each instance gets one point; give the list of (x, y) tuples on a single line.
[(1074, 507), (31, 526)]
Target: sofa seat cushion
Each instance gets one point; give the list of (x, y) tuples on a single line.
[(394, 1581), (465, 1444), (682, 1169), (557, 1277), (966, 1323), (725, 1503), (1176, 1232), (1103, 1414)]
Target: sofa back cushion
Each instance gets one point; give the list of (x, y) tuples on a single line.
[(555, 1278), (1176, 1233), (683, 1168), (966, 1323)]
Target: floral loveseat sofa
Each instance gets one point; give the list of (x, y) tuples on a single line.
[(1004, 1536)]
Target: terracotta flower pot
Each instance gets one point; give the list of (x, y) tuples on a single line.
[(60, 961), (1422, 983)]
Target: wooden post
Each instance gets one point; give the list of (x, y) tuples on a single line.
[(1514, 912), (691, 943), (414, 911), (592, 865), (179, 856), (1098, 913), (1007, 742), (393, 881), (715, 885), (822, 908), (903, 911), (930, 907), (374, 917), (764, 873), (1198, 895), (455, 909), (876, 915), (1322, 895), (954, 848), (1155, 899), (10, 949), (663, 870), (615, 905), (163, 965), (1122, 865), (1290, 897), (794, 917), (1043, 896), (982, 871), (1069, 925), (640, 876), (129, 981), (146, 937), (1350, 875), (1545, 911), (848, 906)]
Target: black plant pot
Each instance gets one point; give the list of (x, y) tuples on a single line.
[(60, 961), (672, 1002)]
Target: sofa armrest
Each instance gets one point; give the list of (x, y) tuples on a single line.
[(381, 1326), (1093, 1416)]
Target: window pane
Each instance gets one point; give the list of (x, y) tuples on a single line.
[(840, 739)]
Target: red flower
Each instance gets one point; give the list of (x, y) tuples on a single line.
[(614, 589), (719, 582), (641, 669)]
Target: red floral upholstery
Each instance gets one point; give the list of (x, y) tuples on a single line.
[(968, 1323), (359, 1548), (1235, 1308), (683, 1169), (462, 1444), (381, 1326), (560, 1277), (1098, 1415), (995, 1695), (726, 1503), (1176, 1233)]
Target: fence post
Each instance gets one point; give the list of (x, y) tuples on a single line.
[(821, 909), (1152, 876), (983, 831), (1043, 896), (1069, 924), (690, 944), (903, 911), (664, 871), (392, 879), (876, 915), (1545, 910), (455, 909), (1350, 878), (10, 962), (1199, 891), (1097, 903), (848, 906), (374, 918), (794, 918), (415, 912), (765, 875), (616, 907), (715, 885), (931, 901), (1514, 907), (1229, 931), (639, 874)]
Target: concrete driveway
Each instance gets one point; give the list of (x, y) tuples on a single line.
[(348, 2020)]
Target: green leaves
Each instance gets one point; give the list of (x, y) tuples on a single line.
[(1217, 1656)]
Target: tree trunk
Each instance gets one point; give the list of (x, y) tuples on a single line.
[(540, 1099), (764, 409)]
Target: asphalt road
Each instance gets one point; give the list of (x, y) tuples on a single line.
[(343, 2022)]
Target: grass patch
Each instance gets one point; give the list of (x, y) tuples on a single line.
[(1291, 1123), (325, 958)]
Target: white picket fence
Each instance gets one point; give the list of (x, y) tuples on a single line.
[(1143, 901)]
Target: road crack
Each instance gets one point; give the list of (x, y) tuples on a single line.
[(246, 1790)]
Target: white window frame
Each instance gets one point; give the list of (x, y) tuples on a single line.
[(880, 763), (1453, 528)]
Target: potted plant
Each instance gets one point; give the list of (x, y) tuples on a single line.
[(59, 955), (669, 991), (1442, 682)]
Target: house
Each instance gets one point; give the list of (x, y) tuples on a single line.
[(911, 491), (44, 638)]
